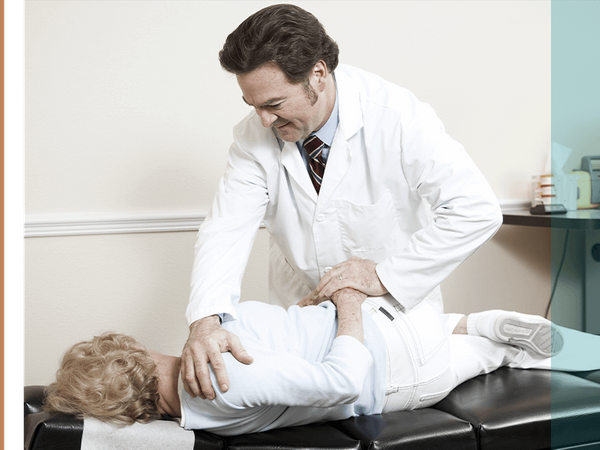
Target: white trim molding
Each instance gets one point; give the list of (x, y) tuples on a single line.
[(86, 224), (151, 222)]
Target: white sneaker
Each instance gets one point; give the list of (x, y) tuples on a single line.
[(529, 332)]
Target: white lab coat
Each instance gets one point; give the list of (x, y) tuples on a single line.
[(397, 190)]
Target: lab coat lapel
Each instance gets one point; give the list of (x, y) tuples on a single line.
[(293, 163), (340, 154), (338, 163), (351, 119)]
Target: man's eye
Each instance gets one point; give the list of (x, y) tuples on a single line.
[(275, 106)]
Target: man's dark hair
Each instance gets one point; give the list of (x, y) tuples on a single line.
[(285, 34)]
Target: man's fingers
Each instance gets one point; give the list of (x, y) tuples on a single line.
[(188, 376), (205, 390), (218, 365), (238, 351), (334, 274), (197, 372), (302, 303), (306, 300), (312, 298), (335, 285), (186, 385), (330, 276), (355, 273), (234, 346)]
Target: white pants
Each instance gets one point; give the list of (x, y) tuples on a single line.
[(425, 361)]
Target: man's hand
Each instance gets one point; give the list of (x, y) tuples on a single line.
[(354, 273), (205, 344), (311, 299)]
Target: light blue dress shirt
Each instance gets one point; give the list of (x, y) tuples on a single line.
[(326, 133)]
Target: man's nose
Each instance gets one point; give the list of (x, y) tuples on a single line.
[(266, 117)]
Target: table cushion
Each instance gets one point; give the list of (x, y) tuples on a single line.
[(528, 409), (424, 429), (321, 436), (507, 409)]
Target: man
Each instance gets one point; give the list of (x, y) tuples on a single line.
[(381, 201)]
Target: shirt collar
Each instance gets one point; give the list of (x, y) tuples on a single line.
[(327, 132)]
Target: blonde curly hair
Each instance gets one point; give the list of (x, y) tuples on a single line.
[(111, 378)]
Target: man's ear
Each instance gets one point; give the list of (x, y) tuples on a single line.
[(319, 75)]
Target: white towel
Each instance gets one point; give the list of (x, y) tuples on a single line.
[(157, 435)]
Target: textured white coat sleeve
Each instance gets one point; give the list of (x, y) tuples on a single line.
[(225, 238), (465, 210)]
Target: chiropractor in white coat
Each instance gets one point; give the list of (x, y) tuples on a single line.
[(400, 206)]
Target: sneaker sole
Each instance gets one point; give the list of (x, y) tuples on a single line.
[(542, 338)]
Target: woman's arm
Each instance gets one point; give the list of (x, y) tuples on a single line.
[(348, 302), (285, 378)]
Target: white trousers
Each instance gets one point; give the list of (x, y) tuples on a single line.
[(425, 361)]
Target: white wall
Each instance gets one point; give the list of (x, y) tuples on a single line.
[(128, 111)]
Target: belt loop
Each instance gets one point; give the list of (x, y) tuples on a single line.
[(372, 311), (391, 389), (371, 308)]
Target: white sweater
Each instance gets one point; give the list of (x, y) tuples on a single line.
[(301, 372)]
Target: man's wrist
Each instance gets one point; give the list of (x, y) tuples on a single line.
[(213, 319)]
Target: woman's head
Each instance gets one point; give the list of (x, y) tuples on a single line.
[(111, 378)]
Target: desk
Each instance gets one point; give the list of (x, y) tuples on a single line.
[(587, 219), (584, 227)]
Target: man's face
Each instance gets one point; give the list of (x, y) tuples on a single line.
[(292, 110)]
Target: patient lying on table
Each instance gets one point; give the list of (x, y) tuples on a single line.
[(336, 360)]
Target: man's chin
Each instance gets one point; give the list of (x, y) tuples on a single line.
[(286, 134)]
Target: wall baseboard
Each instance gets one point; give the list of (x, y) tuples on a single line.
[(89, 224)]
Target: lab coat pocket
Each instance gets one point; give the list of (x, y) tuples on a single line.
[(426, 330), (367, 231)]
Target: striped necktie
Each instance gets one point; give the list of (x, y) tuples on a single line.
[(316, 166)]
